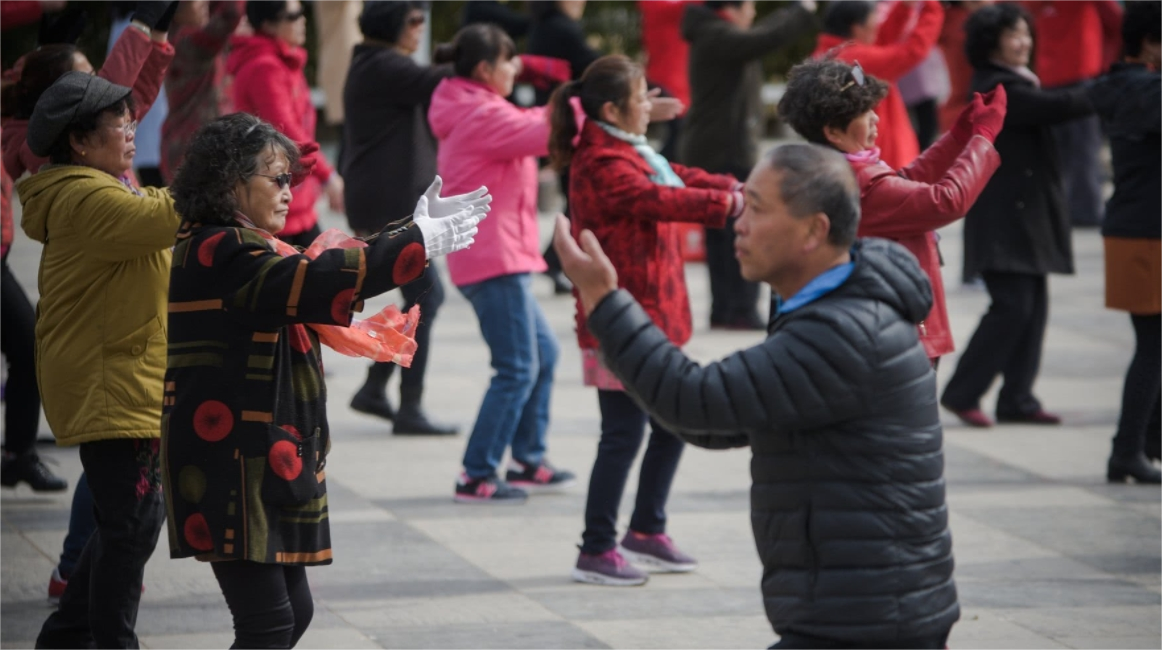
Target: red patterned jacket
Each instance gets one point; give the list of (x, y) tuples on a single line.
[(634, 218)]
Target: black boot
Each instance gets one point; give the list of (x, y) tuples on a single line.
[(412, 421), (1136, 467), (371, 398), (29, 468)]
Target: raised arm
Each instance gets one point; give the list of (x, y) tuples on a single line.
[(116, 225), (1029, 106), (628, 193), (892, 61), (731, 44), (209, 41)]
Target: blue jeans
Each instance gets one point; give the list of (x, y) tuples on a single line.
[(81, 527), (524, 351)]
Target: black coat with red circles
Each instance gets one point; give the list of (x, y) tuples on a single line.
[(244, 421)]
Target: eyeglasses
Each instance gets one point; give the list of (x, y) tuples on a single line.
[(413, 21), (290, 17), (857, 77), (282, 180), (128, 128)]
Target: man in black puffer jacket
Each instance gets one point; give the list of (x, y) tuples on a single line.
[(838, 405)]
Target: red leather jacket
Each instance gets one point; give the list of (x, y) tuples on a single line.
[(635, 219), (907, 206)]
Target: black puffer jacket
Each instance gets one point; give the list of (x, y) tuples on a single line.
[(839, 407)]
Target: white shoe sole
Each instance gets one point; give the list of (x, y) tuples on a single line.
[(594, 578), (654, 564)]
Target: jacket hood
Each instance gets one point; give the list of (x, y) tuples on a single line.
[(698, 20), (246, 48), (885, 271), (454, 100), (38, 193)]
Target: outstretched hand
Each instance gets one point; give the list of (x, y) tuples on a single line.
[(477, 201), (988, 112), (586, 265), (664, 109)]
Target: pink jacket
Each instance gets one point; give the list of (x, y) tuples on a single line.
[(485, 140)]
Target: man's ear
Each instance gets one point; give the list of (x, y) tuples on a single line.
[(819, 231)]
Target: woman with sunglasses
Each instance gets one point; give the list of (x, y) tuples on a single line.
[(100, 340), (244, 427), (831, 103), (269, 83)]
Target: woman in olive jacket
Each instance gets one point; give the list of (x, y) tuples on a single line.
[(1018, 231)]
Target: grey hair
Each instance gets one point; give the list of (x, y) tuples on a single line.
[(815, 179)]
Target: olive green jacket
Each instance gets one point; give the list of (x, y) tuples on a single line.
[(101, 319)]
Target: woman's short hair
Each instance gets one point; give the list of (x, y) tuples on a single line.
[(984, 28), (82, 126), (608, 79), (824, 93), (40, 69), (385, 20), (841, 17), (261, 11), (475, 43), (1142, 21), (222, 153)]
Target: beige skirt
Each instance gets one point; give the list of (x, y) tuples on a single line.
[(1134, 275)]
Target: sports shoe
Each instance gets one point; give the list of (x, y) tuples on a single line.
[(56, 587), (29, 468), (656, 552), (487, 490), (608, 568), (541, 478), (973, 417)]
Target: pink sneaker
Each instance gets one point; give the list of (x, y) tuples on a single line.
[(608, 568), (656, 552)]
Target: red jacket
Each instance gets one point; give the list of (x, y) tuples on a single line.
[(909, 205), (1075, 40), (893, 55), (269, 82), (668, 54), (18, 13), (636, 221)]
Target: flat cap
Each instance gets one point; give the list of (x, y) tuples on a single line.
[(73, 95)]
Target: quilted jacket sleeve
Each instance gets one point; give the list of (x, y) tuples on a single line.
[(802, 377)]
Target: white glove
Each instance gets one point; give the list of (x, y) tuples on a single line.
[(441, 208), (448, 234)]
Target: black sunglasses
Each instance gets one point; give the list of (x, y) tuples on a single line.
[(857, 77), (291, 17), (283, 180), (415, 20)]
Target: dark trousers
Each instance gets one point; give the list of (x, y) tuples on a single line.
[(925, 121), (792, 640), (99, 606), (18, 343), (305, 238), (623, 426), (428, 293), (1140, 395), (1081, 176), (1007, 342), (733, 300), (81, 527), (271, 603)]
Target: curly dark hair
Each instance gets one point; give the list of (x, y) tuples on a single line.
[(822, 93), (983, 30), (223, 152), (1141, 21)]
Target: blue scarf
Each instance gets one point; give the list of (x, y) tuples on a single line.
[(665, 174)]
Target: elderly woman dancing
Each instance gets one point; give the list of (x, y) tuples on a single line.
[(244, 430)]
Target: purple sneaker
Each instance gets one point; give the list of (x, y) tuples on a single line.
[(656, 552), (608, 568)]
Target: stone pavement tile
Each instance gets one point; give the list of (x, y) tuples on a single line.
[(1032, 496), (535, 634), (1022, 569), (1016, 593), (989, 628), (22, 621), (964, 466), (974, 541), (684, 632), (1096, 622), (590, 602), (390, 551), (1055, 453), (470, 609), (24, 572), (197, 640), (1118, 642)]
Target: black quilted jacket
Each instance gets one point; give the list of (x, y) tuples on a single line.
[(839, 407)]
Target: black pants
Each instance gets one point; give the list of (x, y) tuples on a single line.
[(733, 300), (428, 293), (1008, 342), (305, 238), (1140, 395), (802, 641), (925, 121), (623, 426), (100, 604), (18, 343), (271, 603)]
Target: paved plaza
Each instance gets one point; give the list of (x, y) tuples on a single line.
[(1048, 555)]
